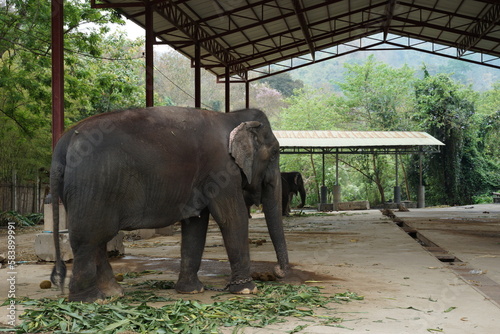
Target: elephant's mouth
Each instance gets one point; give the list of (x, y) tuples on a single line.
[(253, 195)]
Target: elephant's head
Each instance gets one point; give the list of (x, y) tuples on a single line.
[(255, 150), (299, 183)]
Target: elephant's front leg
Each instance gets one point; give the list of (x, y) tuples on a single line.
[(194, 234), (235, 234)]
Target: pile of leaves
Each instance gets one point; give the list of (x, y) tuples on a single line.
[(12, 216), (273, 304)]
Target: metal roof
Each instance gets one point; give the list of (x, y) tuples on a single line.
[(355, 142), (250, 36)]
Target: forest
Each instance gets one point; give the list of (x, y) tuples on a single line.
[(453, 101)]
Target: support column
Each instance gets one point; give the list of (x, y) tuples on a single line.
[(227, 90), (397, 188), (324, 190), (336, 187), (247, 94), (150, 39), (197, 76), (57, 70), (336, 197), (421, 187)]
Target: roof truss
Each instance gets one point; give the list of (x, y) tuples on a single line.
[(255, 38)]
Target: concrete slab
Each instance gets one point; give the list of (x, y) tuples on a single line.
[(45, 250), (406, 289)]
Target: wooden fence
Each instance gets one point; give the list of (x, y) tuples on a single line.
[(24, 197)]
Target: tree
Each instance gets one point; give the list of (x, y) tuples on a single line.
[(284, 83), (378, 97), (447, 111), (94, 82), (488, 108), (310, 109)]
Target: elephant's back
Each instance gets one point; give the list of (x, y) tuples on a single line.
[(146, 161)]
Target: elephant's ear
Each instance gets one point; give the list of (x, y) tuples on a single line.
[(242, 146), (296, 179)]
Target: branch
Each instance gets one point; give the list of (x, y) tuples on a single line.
[(358, 170), (24, 129)]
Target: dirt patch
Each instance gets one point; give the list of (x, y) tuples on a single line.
[(210, 268)]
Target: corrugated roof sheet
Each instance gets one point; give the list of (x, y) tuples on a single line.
[(355, 139), (248, 36)]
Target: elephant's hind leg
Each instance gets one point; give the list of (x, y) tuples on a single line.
[(106, 281), (83, 285)]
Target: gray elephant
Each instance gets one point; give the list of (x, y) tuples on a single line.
[(152, 167), (291, 184)]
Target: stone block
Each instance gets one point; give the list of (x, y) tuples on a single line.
[(48, 218), (169, 230), (141, 234), (354, 205), (45, 251), (325, 207)]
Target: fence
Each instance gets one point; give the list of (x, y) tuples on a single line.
[(22, 196)]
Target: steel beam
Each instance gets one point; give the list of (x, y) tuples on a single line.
[(189, 27), (227, 91), (150, 38), (197, 76), (483, 26), (94, 4), (303, 25), (57, 8), (247, 94), (389, 13)]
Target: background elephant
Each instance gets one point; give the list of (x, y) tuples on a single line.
[(291, 184), (152, 167)]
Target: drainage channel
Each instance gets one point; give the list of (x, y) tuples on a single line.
[(440, 253), (475, 278)]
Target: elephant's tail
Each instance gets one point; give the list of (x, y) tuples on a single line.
[(59, 271)]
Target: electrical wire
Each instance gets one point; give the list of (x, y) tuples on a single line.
[(177, 86)]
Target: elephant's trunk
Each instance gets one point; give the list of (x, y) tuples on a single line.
[(271, 203), (302, 192)]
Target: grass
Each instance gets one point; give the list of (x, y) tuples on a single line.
[(274, 303)]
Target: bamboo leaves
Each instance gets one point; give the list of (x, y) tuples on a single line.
[(271, 305)]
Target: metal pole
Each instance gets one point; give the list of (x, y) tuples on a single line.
[(150, 38), (397, 176), (336, 187), (197, 76), (57, 8), (337, 167), (324, 190), (421, 188), (397, 188), (323, 158), (247, 94), (227, 89)]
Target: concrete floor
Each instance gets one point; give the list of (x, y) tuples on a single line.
[(406, 288)]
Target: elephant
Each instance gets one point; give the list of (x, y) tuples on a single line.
[(153, 167), (291, 184)]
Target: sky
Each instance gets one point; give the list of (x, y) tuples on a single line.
[(133, 30)]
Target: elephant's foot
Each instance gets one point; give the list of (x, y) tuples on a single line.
[(86, 295), (279, 272), (189, 286), (111, 288), (245, 288)]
